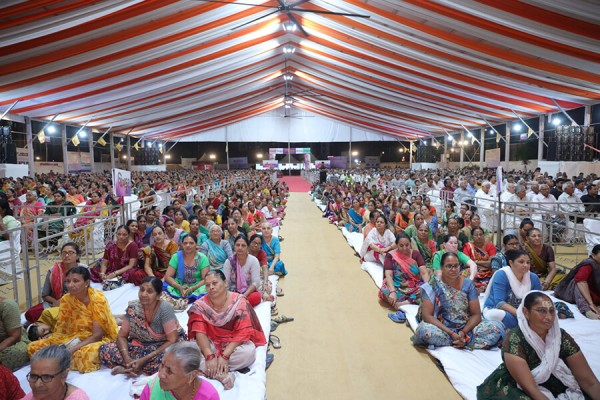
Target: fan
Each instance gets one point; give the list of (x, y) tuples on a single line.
[(286, 9)]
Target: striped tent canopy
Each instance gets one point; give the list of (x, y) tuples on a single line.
[(169, 70)]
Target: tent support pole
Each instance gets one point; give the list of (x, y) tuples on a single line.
[(507, 146), (481, 148)]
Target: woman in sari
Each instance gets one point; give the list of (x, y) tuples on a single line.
[(54, 285), (541, 360), (149, 327), (524, 227), (158, 255), (84, 322), (476, 223), (120, 256), (195, 230), (13, 340), (180, 221), (417, 220), (581, 286), (144, 230), (424, 244), (404, 273), (453, 228), (136, 237), (480, 251), (173, 233), (355, 217), (510, 242), (272, 247), (215, 248), (379, 242), (31, 209), (430, 220), (255, 249), (57, 208), (448, 213), (205, 222), (213, 215), (242, 271), (187, 268), (542, 259), (92, 210), (179, 376), (508, 287), (403, 218), (226, 330), (450, 315), (247, 217)]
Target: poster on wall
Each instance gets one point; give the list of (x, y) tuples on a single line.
[(372, 161), (121, 182), (492, 157), (238, 162), (78, 162), (338, 162), (270, 164), (319, 164), (22, 156)]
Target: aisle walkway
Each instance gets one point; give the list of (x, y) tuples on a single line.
[(341, 344)]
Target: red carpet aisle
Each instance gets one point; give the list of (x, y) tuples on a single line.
[(296, 183)]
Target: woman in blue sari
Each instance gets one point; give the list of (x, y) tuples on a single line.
[(216, 249), (272, 247), (355, 217)]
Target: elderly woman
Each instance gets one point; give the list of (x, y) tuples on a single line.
[(54, 284), (424, 244), (119, 258), (542, 259), (149, 327), (450, 314), (55, 210), (403, 218), (242, 271), (185, 276), (508, 287), (226, 329), (450, 245), (158, 255), (84, 322), (582, 285), (379, 242), (453, 228), (541, 360), (272, 247), (480, 251), (216, 249), (179, 376), (404, 273), (13, 341), (48, 376)]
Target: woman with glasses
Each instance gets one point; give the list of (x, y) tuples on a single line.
[(84, 322), (541, 360), (450, 315), (13, 342), (54, 285), (510, 242), (508, 287), (48, 376)]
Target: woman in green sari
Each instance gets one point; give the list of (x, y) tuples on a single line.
[(184, 278), (424, 244), (57, 208)]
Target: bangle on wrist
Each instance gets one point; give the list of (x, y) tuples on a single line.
[(211, 356), (224, 357)]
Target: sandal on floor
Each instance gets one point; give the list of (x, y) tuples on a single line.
[(274, 311), (274, 326), (269, 360), (275, 342), (279, 292), (282, 319), (398, 317)]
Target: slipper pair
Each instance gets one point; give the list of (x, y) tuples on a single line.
[(398, 317), (275, 342), (279, 292), (282, 319)]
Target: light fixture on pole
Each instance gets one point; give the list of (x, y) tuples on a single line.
[(289, 49), (289, 26), (288, 76)]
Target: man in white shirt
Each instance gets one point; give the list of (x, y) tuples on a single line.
[(462, 194), (486, 207), (546, 212), (580, 189), (572, 206), (517, 208)]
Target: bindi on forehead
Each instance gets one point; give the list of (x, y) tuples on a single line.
[(547, 304)]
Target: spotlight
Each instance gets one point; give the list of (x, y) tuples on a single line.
[(168, 156), (355, 153), (149, 145), (289, 26), (83, 133), (212, 156), (259, 155), (288, 77), (450, 138), (556, 121), (289, 49), (122, 140), (470, 135), (287, 106), (517, 127), (38, 158), (51, 129)]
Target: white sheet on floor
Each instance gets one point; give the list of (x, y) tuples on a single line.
[(101, 385), (355, 239), (468, 369), (375, 270)]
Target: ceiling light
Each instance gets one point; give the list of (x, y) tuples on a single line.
[(425, 142), (51, 129), (287, 106), (355, 153), (288, 77), (289, 49), (149, 145), (450, 138), (122, 140), (259, 155), (289, 26), (168, 157), (470, 135), (556, 121), (401, 150), (517, 127), (82, 133)]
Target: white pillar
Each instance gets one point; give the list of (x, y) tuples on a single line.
[(30, 154), (462, 148), (507, 146), (91, 149), (350, 150), (541, 138), (112, 150), (227, 145), (410, 151), (481, 148), (587, 115), (128, 153), (63, 138)]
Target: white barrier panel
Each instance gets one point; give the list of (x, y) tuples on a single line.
[(14, 170)]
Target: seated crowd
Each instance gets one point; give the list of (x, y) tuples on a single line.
[(217, 259), (443, 260)]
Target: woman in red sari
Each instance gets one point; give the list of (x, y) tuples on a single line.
[(480, 251), (226, 329), (158, 255)]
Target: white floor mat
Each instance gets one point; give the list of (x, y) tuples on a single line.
[(251, 385)]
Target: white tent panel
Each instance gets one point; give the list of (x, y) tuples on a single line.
[(299, 127)]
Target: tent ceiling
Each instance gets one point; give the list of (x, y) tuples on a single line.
[(169, 69)]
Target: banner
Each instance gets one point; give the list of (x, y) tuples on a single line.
[(273, 151), (238, 162), (307, 161), (372, 161), (121, 182), (22, 156), (492, 157), (338, 162), (78, 161), (270, 164), (319, 164)]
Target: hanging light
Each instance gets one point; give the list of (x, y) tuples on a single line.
[(289, 49), (288, 76), (51, 129), (556, 121), (517, 127), (289, 26)]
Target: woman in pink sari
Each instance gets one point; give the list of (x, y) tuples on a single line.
[(29, 210)]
